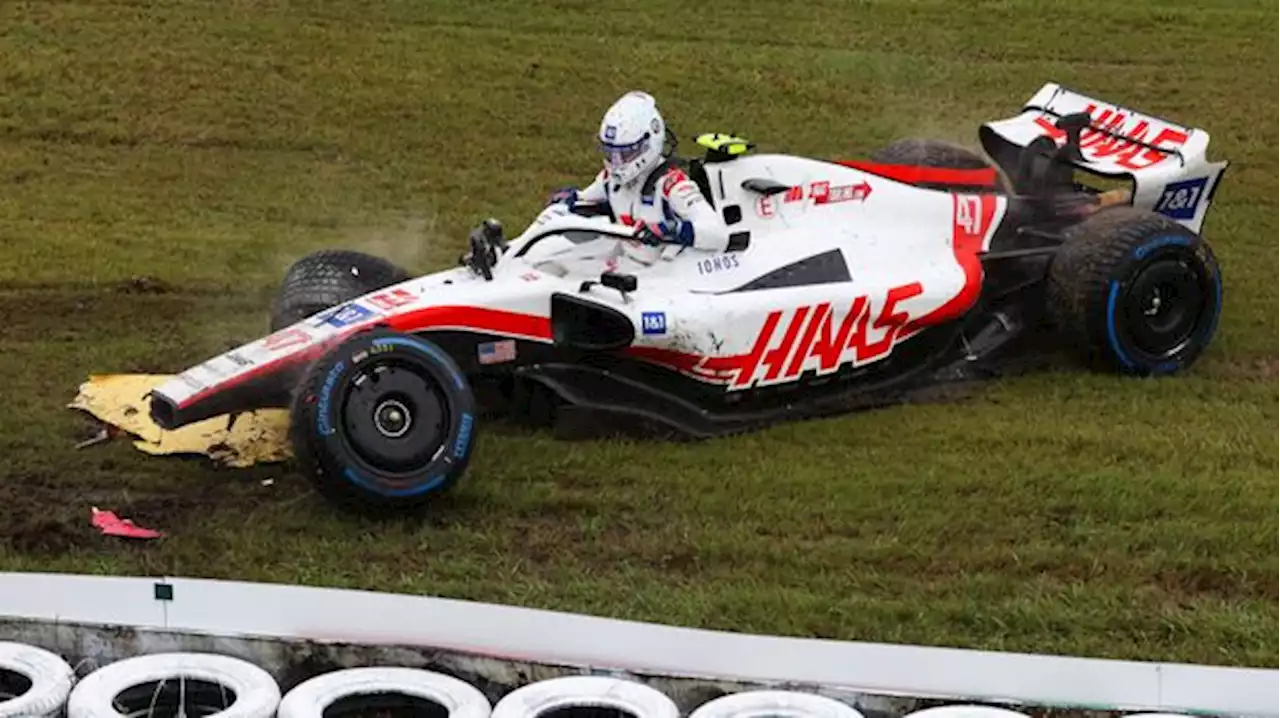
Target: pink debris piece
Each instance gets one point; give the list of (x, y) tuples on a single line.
[(111, 525)]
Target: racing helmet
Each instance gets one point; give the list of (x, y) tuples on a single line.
[(632, 135)]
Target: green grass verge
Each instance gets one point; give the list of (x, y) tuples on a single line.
[(208, 144)]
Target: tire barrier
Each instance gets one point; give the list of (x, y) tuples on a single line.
[(37, 683), (342, 691), (169, 684), (585, 695), (961, 710), (33, 682), (776, 704)]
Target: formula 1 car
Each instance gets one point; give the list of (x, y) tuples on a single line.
[(847, 284)]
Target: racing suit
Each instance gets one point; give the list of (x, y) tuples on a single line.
[(667, 209)]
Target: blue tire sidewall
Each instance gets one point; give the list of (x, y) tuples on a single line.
[(1130, 358), (459, 444)]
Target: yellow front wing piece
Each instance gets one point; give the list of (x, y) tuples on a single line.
[(120, 400)]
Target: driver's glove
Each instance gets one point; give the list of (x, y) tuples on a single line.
[(681, 233), (564, 195), (650, 235), (550, 212)]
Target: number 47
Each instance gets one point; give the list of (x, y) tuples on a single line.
[(969, 214)]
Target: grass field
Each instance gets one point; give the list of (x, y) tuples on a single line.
[(205, 145)]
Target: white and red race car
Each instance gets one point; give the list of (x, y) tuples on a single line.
[(851, 283)]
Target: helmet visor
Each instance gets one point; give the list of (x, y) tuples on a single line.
[(619, 155)]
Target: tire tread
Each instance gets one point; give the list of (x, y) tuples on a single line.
[(324, 279), (924, 152), (1077, 286)]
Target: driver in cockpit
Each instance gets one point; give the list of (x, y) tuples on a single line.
[(643, 187)]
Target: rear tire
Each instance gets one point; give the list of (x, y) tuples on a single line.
[(384, 422), (1135, 292), (921, 152), (327, 278)]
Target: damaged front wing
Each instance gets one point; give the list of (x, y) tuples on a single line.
[(121, 401)]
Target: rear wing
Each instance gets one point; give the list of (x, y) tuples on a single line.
[(1165, 163)]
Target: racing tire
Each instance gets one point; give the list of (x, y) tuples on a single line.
[(1135, 292), (327, 278), (384, 421), (205, 684), (604, 694), (33, 681), (966, 710), (775, 703), (937, 154), (352, 690)]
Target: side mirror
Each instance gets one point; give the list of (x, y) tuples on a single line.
[(624, 283)]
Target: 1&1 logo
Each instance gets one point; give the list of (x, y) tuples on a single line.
[(653, 322)]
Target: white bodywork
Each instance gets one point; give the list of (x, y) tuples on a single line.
[(911, 255), (910, 252), (1169, 170)]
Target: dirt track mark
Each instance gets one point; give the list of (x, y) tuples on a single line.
[(146, 309), (1267, 367), (131, 285), (108, 139), (41, 513), (34, 315)]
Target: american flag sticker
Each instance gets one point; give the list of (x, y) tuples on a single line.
[(497, 352)]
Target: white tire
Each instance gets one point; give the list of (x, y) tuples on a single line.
[(51, 680), (256, 693), (537, 699), (775, 704), (310, 698), (966, 711)]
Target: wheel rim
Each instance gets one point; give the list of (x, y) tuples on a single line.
[(395, 417), (1165, 306)]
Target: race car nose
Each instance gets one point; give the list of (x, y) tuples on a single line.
[(163, 411)]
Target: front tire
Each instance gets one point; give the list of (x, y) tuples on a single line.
[(327, 278), (384, 421), (1135, 292)]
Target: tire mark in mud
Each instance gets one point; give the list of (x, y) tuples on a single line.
[(43, 513), (139, 284), (62, 136), (142, 308), (1249, 368)]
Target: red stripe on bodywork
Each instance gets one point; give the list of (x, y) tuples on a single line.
[(967, 237), (714, 368), (679, 361), (917, 174), (465, 318), (307, 354), (529, 326)]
